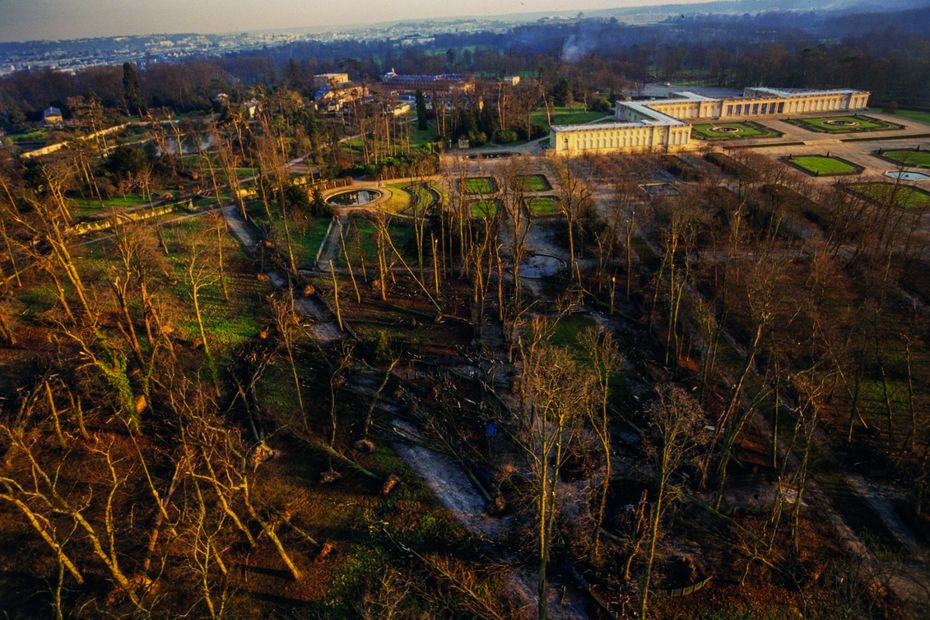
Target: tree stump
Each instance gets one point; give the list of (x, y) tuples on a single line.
[(389, 484)]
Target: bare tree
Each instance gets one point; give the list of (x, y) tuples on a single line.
[(555, 397), (675, 421)]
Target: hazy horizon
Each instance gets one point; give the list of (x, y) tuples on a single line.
[(25, 20)]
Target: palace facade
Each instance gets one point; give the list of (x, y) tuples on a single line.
[(664, 125)]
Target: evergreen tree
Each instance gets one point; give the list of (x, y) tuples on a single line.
[(421, 111), (131, 91)]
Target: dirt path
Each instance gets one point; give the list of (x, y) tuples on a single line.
[(324, 326)]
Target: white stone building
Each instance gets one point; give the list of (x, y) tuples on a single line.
[(664, 125)]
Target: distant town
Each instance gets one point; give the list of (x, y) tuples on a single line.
[(74, 55)]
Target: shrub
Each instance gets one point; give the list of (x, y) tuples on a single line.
[(505, 136)]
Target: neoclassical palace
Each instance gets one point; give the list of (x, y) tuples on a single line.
[(664, 125)]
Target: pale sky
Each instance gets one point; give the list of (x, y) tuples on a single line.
[(68, 19)]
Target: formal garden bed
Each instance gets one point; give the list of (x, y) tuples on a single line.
[(543, 206), (534, 183), (844, 124), (742, 130), (915, 158), (480, 185), (484, 209), (904, 196), (822, 165)]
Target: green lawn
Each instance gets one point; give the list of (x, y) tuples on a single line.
[(307, 235), (568, 330), (542, 206), (484, 209), (33, 135), (84, 207), (424, 197), (353, 144), (479, 185), (822, 165), (306, 238), (534, 183), (361, 242), (423, 137), (732, 131), (226, 322), (843, 124), (908, 157), (920, 116), (905, 196), (399, 200), (565, 115)]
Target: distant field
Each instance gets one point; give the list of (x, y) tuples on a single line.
[(822, 165), (908, 157), (732, 131), (905, 196), (843, 124)]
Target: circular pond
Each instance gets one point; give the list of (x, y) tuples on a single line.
[(354, 198), (725, 129), (907, 175)]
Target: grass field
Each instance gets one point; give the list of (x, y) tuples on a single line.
[(823, 165), (908, 157), (732, 131), (565, 115), (479, 185), (905, 196), (535, 183), (843, 124), (542, 206)]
